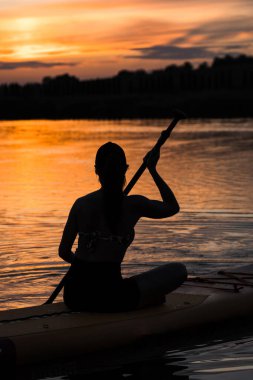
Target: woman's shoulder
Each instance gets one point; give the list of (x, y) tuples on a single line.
[(87, 199), (137, 201)]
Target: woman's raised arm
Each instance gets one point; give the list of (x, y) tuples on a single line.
[(153, 208)]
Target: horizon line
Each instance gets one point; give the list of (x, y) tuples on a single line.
[(194, 66)]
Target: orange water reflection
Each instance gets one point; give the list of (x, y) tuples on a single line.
[(45, 165)]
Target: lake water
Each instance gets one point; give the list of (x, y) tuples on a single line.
[(45, 165)]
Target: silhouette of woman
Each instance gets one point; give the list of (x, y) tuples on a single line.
[(104, 221)]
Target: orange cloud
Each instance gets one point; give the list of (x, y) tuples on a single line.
[(99, 34)]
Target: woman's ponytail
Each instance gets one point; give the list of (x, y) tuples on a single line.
[(111, 167)]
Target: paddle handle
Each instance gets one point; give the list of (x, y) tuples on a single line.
[(163, 137)]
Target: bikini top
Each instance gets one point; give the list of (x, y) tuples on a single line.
[(91, 238)]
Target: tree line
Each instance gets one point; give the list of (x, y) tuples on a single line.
[(136, 93)]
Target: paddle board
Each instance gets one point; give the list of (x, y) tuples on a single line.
[(41, 333)]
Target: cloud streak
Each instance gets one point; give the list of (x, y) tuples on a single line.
[(204, 41), (170, 52), (33, 65), (217, 31)]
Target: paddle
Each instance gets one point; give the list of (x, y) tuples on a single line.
[(163, 137)]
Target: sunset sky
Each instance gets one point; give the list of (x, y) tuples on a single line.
[(98, 38)]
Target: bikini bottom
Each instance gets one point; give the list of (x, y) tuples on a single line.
[(99, 287)]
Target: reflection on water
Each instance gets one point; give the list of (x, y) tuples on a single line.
[(229, 356), (219, 352), (45, 165)]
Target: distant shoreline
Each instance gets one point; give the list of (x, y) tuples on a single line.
[(196, 105), (222, 90)]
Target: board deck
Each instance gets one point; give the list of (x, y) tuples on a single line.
[(40, 332)]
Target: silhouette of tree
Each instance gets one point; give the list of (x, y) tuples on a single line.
[(137, 93)]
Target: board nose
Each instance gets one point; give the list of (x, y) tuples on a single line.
[(7, 355)]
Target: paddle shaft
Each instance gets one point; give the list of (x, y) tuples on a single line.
[(163, 137), (57, 290)]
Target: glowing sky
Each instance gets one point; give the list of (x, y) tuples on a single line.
[(97, 38)]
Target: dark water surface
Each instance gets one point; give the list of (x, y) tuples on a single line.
[(45, 165)]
